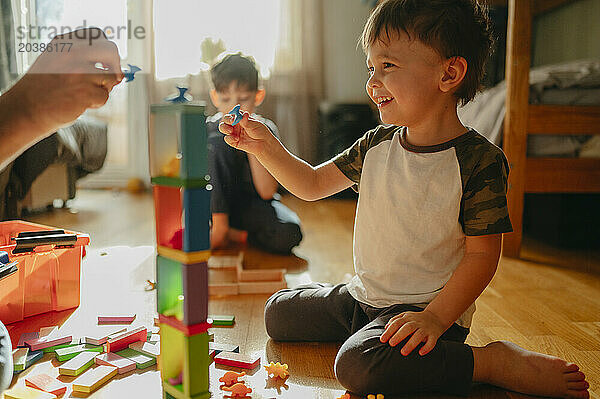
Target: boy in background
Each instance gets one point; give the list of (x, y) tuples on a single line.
[(430, 216), (244, 199)]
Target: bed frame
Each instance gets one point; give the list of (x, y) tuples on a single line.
[(538, 175)]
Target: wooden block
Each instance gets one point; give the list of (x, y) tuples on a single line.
[(261, 287), (101, 338), (154, 338), (64, 354), (78, 364), (226, 261), (94, 379), (146, 348), (122, 364), (46, 331), (45, 383), (222, 320), (261, 275), (32, 357), (52, 349), (123, 340), (222, 282), (27, 337), (116, 319), (218, 348), (223, 289), (237, 360), (20, 358), (141, 361), (47, 341), (23, 392)]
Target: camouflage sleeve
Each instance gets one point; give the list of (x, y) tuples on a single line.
[(350, 161), (484, 208)]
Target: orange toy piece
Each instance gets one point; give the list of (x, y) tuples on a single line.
[(277, 369), (231, 377), (345, 396), (371, 396), (238, 390)]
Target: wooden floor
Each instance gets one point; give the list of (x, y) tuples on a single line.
[(552, 307)]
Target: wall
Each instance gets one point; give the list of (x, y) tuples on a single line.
[(574, 32), (345, 71)]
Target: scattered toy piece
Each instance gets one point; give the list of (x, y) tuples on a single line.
[(23, 392), (238, 390), (27, 337), (94, 379), (32, 357), (345, 396), (20, 358), (116, 319), (64, 354), (372, 396), (123, 340), (49, 340), (237, 360), (142, 361), (146, 348), (222, 320), (231, 377), (277, 369), (45, 383), (218, 348), (130, 73), (122, 364), (78, 364)]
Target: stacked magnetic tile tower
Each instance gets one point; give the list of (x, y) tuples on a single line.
[(181, 189)]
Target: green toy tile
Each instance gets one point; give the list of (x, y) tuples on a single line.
[(63, 354), (141, 361), (52, 349), (191, 353), (222, 320)]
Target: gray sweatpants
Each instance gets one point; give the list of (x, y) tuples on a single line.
[(6, 366), (363, 365)]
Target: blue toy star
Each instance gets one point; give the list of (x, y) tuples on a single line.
[(238, 114), (130, 73)]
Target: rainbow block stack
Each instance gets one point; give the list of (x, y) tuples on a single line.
[(181, 189)]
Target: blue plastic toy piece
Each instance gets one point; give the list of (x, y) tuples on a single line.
[(238, 114), (181, 97), (3, 257), (130, 73)]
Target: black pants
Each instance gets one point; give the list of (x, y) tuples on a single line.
[(315, 312)]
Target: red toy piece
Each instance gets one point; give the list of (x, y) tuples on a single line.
[(123, 340), (345, 396), (231, 377), (238, 390), (237, 360)]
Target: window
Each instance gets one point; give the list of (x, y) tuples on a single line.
[(182, 26)]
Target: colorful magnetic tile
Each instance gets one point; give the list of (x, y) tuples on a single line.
[(182, 290), (100, 338), (183, 257), (24, 392), (237, 360), (176, 392), (45, 342), (123, 340), (146, 348), (222, 320), (218, 348), (186, 355), (94, 379), (45, 383), (123, 364), (116, 319), (19, 358), (141, 361), (27, 337), (78, 364), (52, 349), (197, 216), (186, 330)]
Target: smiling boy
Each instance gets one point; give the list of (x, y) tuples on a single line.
[(429, 221)]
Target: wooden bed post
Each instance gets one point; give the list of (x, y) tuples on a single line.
[(518, 59)]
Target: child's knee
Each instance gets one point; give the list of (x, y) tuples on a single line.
[(275, 316)]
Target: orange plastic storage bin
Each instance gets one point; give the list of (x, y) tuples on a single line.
[(49, 264)]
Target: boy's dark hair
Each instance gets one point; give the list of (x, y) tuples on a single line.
[(450, 27), (234, 68)]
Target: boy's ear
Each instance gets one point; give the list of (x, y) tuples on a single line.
[(455, 69), (214, 97), (259, 98)]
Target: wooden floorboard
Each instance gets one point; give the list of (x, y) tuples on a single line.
[(546, 303)]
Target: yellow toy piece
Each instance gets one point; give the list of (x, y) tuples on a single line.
[(277, 369), (371, 396)]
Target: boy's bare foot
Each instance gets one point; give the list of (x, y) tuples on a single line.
[(509, 366)]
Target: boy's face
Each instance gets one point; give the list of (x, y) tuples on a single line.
[(404, 78), (234, 94)]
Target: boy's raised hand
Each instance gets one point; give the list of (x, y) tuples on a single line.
[(248, 135), (420, 326)]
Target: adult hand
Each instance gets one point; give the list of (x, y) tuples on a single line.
[(249, 135), (76, 72), (423, 326)]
